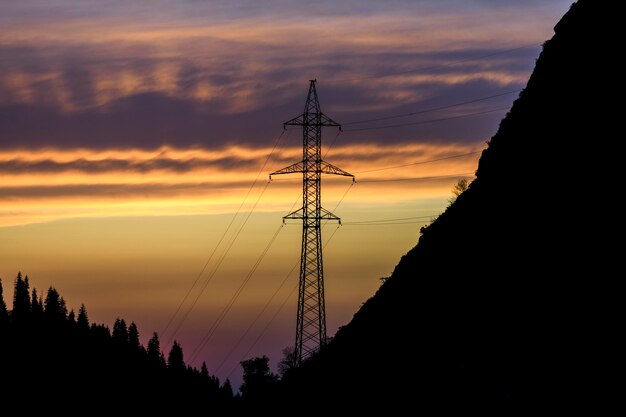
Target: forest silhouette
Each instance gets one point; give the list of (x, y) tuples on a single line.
[(57, 358), (502, 306)]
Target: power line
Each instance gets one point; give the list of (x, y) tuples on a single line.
[(428, 121), (269, 323), (420, 178), (268, 303), (433, 109), (385, 224), (449, 106), (180, 305), (342, 198), (390, 220), (258, 316), (432, 67), (217, 266), (419, 162), (280, 308), (209, 334), (331, 144), (263, 310)]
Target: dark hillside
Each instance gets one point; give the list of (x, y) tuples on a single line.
[(503, 302)]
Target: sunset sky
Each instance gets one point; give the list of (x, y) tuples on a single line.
[(133, 133)]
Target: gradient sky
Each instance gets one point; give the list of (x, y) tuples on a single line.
[(132, 132)]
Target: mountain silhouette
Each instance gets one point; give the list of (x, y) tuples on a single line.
[(504, 302)]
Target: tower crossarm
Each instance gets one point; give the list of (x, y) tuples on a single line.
[(325, 168), (312, 119), (324, 215), (298, 167)]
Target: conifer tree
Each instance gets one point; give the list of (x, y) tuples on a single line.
[(4, 314), (82, 321), (175, 360), (21, 300), (133, 335), (154, 348), (54, 307), (36, 306), (120, 331)]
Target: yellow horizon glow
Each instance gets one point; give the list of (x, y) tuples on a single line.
[(211, 190)]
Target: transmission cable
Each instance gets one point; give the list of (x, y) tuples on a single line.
[(390, 220), (280, 308), (232, 220), (217, 266), (432, 67), (433, 177), (422, 122), (419, 162), (209, 334), (433, 109), (386, 224), (268, 303)]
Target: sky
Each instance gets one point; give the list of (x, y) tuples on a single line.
[(136, 139)]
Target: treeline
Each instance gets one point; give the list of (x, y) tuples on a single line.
[(57, 359)]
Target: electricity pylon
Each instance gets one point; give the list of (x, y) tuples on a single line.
[(311, 315)]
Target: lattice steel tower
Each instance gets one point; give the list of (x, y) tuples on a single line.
[(311, 316)]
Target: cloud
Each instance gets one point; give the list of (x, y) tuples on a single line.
[(48, 184), (149, 104), (93, 76)]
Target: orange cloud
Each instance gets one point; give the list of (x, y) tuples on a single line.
[(53, 185)]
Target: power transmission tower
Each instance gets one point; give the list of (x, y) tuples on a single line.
[(311, 315)]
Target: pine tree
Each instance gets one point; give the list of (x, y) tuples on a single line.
[(21, 300), (175, 360), (71, 317), (82, 321), (133, 335), (120, 331), (36, 306), (204, 372), (226, 391), (4, 314), (54, 307), (154, 348)]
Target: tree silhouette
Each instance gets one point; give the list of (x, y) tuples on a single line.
[(36, 306), (204, 371), (50, 354), (226, 390), (21, 300), (83, 320), (288, 361), (120, 331), (71, 317), (175, 360), (458, 189), (4, 314), (133, 336), (154, 348), (257, 378), (55, 309)]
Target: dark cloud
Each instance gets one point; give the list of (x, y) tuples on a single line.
[(143, 121), (49, 166), (223, 91), (151, 120), (117, 190)]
